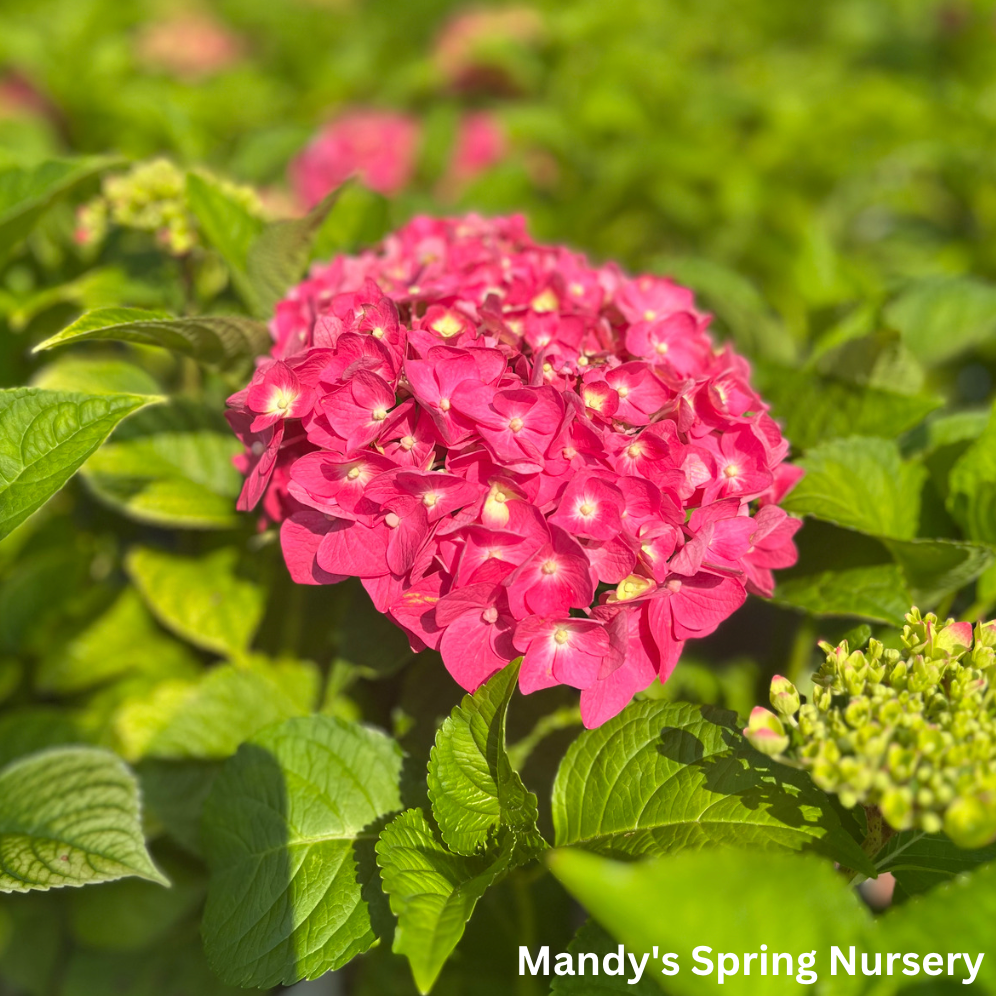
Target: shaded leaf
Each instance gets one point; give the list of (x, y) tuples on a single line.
[(70, 816), (663, 777), (935, 568), (592, 939), (920, 861), (289, 830), (44, 438)]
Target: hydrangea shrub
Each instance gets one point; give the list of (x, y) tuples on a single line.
[(519, 454)]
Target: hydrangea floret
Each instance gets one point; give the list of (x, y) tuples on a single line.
[(910, 732), (520, 454), (152, 197)]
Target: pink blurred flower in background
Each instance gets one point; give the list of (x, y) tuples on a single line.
[(19, 98), (481, 142), (188, 46), (475, 49), (379, 146)]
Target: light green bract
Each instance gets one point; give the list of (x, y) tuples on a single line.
[(70, 816), (910, 733)]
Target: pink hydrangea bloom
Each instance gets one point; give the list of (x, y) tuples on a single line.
[(379, 146), (189, 46), (480, 144), (519, 454)]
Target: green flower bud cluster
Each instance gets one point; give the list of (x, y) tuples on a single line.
[(152, 197), (911, 732)]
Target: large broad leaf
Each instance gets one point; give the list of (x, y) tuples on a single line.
[(124, 639), (171, 467), (920, 861), (70, 816), (27, 192), (289, 831), (877, 593), (939, 318), (813, 408), (224, 342), (207, 717), (226, 225), (201, 599), (44, 438), (963, 910), (664, 777), (861, 483), (935, 568), (472, 786), (722, 900), (432, 891), (279, 258), (972, 487)]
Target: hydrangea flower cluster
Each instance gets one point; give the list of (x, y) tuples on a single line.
[(519, 454), (152, 197), (911, 732)]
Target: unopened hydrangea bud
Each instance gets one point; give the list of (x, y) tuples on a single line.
[(909, 734), (784, 696), (765, 732)]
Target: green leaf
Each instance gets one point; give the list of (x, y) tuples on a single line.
[(95, 376), (27, 192), (813, 408), (171, 467), (174, 794), (70, 816), (131, 914), (203, 718), (472, 786), (223, 342), (200, 599), (738, 304), (663, 777), (935, 568), (289, 831), (593, 940), (920, 861), (942, 317), (432, 891), (972, 487), (860, 483), (226, 225), (877, 593), (44, 438), (125, 638), (728, 900), (279, 258), (963, 909)]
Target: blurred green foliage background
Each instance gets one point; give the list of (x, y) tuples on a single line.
[(823, 174)]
